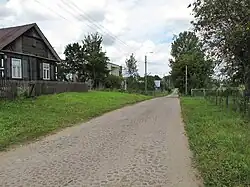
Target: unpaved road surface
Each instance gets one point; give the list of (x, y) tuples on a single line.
[(140, 145)]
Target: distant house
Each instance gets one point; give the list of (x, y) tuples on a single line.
[(114, 69), (26, 54)]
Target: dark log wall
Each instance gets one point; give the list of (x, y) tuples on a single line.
[(32, 68), (30, 43), (33, 44)]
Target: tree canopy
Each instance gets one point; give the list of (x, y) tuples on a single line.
[(131, 66), (86, 61), (187, 50), (225, 29)]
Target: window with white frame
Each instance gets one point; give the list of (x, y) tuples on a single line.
[(16, 68), (46, 71), (56, 72), (1, 67)]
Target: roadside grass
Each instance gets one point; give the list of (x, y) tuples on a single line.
[(220, 141), (23, 120)]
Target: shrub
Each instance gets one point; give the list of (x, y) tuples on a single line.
[(113, 82)]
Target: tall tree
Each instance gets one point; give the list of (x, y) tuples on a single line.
[(225, 29), (96, 59), (73, 62), (131, 65), (187, 51), (86, 61)]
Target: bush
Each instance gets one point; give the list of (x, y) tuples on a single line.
[(113, 82)]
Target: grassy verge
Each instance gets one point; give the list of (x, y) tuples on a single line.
[(24, 120), (220, 141)]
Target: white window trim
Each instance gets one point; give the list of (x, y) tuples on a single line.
[(46, 67), (2, 64), (19, 61), (56, 72)]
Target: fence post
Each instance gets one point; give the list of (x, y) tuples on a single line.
[(216, 98), (227, 101), (13, 90), (245, 104)]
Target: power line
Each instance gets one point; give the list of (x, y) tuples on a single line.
[(52, 10), (93, 21), (90, 19), (66, 18), (86, 16), (93, 24), (89, 25)]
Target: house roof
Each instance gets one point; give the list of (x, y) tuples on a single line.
[(8, 35), (114, 64)]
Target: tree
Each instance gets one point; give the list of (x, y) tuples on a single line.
[(187, 51), (73, 62), (131, 65), (225, 29), (156, 77), (96, 59), (86, 61), (167, 83)]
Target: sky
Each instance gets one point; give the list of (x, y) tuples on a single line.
[(127, 26)]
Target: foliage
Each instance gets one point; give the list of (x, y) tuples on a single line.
[(230, 98), (86, 61), (96, 59), (113, 82), (220, 143), (24, 120), (150, 82), (73, 61), (167, 82), (156, 77), (138, 83), (187, 51), (131, 66), (225, 29)]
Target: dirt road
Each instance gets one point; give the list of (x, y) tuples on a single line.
[(140, 145)]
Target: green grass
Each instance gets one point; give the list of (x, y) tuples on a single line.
[(220, 141), (24, 120)]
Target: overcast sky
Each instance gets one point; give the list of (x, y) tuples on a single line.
[(127, 26)]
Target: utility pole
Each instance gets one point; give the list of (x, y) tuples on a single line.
[(186, 81), (146, 83)]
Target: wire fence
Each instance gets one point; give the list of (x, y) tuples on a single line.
[(11, 89), (229, 98)]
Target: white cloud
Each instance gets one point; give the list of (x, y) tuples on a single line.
[(137, 26)]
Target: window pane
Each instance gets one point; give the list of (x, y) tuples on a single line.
[(18, 72), (1, 63), (16, 68), (47, 74), (14, 71), (46, 71)]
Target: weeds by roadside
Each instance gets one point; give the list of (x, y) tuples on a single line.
[(220, 141)]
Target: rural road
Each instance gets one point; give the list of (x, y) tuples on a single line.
[(140, 145)]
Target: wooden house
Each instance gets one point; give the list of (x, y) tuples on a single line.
[(26, 54)]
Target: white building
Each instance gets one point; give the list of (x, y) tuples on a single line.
[(114, 69)]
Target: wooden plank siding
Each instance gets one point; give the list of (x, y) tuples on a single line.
[(34, 46), (28, 44), (32, 68), (33, 52)]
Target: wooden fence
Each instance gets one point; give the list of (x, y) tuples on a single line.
[(11, 89)]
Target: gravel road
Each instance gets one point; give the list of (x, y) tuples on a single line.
[(139, 145)]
